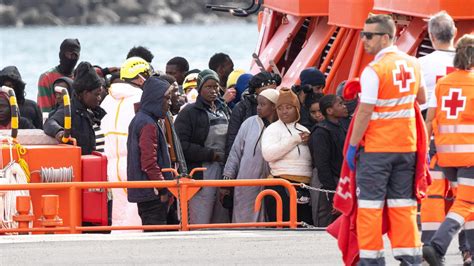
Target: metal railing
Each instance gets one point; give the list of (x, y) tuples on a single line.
[(182, 188)]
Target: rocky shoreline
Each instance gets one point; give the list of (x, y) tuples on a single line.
[(19, 13)]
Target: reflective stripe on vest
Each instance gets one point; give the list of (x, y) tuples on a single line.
[(395, 101), (454, 120), (460, 148), (445, 129), (391, 115), (392, 125)]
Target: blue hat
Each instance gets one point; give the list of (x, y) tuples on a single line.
[(312, 76)]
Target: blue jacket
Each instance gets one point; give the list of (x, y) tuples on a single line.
[(147, 147)]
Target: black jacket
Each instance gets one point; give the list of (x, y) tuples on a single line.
[(81, 127), (244, 109), (31, 111), (28, 108), (192, 126), (305, 117), (326, 144), (24, 123)]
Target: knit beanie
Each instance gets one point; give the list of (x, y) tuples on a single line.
[(233, 77), (312, 76), (271, 95), (289, 97), (204, 76), (85, 78)]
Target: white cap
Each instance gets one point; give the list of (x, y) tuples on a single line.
[(270, 94)]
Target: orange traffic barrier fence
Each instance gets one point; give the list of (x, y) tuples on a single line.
[(182, 188)]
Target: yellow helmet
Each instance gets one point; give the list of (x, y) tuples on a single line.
[(134, 66), (233, 77), (190, 81)]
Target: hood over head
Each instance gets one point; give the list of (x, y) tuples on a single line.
[(11, 73), (66, 80), (152, 99)]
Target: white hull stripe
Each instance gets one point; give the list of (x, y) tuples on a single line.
[(406, 113), (460, 148), (371, 254), (430, 226), (466, 181), (370, 204), (398, 252), (469, 225), (395, 101), (437, 175), (401, 203), (446, 129), (453, 184), (458, 218)]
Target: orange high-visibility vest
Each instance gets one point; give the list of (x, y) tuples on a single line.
[(392, 126), (453, 125)]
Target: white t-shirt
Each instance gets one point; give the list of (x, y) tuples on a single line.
[(369, 80), (434, 66)]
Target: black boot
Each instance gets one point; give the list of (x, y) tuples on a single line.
[(432, 257)]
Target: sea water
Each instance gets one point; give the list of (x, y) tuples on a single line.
[(35, 49)]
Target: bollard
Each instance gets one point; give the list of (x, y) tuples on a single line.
[(23, 216), (49, 210)]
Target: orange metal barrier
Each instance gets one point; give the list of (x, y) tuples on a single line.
[(182, 188)]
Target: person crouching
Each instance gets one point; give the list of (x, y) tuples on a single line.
[(148, 152)]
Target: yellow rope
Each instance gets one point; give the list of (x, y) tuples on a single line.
[(20, 150)]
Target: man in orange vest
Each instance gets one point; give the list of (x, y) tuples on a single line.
[(442, 30), (385, 128), (451, 118)]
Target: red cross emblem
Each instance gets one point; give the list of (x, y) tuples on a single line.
[(449, 69), (403, 76), (454, 103), (343, 187)]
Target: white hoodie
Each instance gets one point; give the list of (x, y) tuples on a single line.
[(283, 150), (119, 105)]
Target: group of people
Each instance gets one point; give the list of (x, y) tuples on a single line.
[(243, 126), (235, 124)]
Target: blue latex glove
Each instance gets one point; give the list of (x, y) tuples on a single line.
[(350, 157)]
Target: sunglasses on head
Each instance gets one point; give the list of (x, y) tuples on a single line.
[(369, 35)]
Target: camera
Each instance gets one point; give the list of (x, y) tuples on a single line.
[(305, 88)]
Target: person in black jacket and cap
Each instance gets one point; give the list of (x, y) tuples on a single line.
[(313, 81), (202, 130), (247, 107), (10, 77), (85, 110), (326, 143)]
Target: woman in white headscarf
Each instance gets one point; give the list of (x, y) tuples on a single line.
[(245, 159)]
